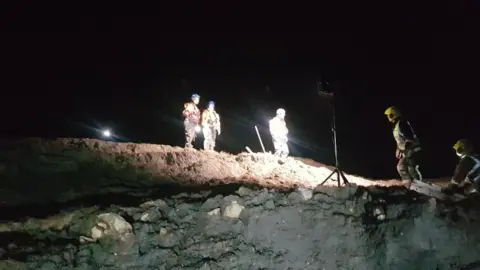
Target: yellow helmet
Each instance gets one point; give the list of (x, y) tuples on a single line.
[(463, 146), (392, 113)]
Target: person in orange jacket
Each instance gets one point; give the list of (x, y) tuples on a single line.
[(191, 115)]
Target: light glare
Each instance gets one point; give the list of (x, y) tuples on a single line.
[(106, 133)]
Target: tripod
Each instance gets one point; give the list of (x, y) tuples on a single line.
[(337, 170)]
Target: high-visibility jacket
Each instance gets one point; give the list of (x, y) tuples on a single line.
[(191, 112), (278, 127)]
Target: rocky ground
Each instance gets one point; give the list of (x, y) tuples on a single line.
[(87, 204), (329, 228)]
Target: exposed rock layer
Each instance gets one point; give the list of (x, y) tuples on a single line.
[(347, 228)]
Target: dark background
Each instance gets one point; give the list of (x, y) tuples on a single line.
[(70, 70)]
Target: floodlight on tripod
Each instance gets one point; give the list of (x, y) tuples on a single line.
[(323, 93)]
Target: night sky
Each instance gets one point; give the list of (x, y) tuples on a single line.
[(66, 73)]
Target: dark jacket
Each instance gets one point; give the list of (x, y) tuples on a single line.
[(404, 135), (466, 169)]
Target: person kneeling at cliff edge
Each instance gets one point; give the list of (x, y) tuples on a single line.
[(466, 178)]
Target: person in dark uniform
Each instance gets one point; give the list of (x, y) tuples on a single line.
[(408, 146), (466, 177)]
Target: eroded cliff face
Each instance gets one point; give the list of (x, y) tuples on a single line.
[(330, 228), (87, 204)]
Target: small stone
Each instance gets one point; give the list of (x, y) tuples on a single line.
[(306, 193), (243, 191), (214, 212), (205, 267), (163, 231), (145, 217), (270, 205), (233, 210)]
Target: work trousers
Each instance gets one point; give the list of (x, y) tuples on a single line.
[(190, 133), (281, 147), (209, 136), (408, 165)]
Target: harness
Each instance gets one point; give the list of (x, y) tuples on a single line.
[(474, 174)]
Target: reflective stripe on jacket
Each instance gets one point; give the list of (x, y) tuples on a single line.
[(467, 169)]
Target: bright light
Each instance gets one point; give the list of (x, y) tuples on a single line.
[(106, 133), (198, 129)]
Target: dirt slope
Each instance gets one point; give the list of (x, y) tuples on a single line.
[(36, 170)]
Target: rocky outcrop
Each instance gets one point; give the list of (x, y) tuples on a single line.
[(42, 171), (331, 228), (88, 204)]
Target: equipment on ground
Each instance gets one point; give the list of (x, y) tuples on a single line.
[(260, 139), (338, 171), (435, 191)]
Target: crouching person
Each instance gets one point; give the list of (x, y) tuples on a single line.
[(279, 132), (466, 178), (211, 126)]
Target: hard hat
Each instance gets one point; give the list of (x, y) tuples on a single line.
[(195, 96), (211, 103), (392, 113), (280, 111), (463, 146)]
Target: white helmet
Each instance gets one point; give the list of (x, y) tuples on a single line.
[(280, 111)]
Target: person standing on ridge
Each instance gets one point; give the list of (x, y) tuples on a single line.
[(211, 126), (408, 145), (466, 178), (279, 131), (191, 113)]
